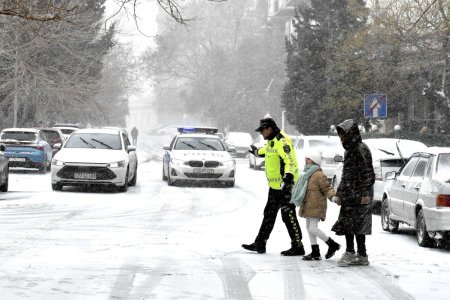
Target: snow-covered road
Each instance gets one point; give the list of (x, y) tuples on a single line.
[(161, 242)]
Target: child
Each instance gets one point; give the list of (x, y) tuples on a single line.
[(310, 193)]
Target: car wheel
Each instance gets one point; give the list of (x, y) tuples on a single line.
[(42, 169), (49, 167), (170, 182), (386, 223), (124, 187), (4, 186), (229, 184), (423, 239), (133, 181), (57, 187)]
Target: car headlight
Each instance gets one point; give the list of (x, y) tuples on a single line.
[(58, 163), (177, 161), (119, 164), (227, 163)]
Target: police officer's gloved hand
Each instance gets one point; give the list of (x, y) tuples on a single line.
[(288, 181), (254, 150)]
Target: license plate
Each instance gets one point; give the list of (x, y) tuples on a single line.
[(84, 176), (17, 159), (203, 171)]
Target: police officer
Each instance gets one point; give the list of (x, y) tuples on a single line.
[(281, 172)]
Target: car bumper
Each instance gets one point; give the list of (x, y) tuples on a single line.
[(22, 159), (437, 219), (378, 190), (81, 174), (186, 173)]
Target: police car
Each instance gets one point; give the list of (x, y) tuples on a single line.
[(197, 154)]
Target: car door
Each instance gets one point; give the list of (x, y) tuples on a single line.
[(398, 187), (166, 156), (412, 188)]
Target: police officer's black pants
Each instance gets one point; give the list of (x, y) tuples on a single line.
[(276, 201)]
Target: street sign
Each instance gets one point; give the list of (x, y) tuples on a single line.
[(375, 106)]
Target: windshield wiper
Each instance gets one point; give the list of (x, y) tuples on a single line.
[(208, 145), (104, 144), (387, 152), (190, 145), (86, 142)]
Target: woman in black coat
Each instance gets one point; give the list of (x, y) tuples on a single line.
[(354, 194)]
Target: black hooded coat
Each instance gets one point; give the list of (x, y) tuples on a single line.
[(357, 181)]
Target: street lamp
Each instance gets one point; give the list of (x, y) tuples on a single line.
[(282, 119)]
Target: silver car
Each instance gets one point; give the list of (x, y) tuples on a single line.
[(419, 195)]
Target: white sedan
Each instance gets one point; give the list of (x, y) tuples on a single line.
[(198, 157), (96, 157)]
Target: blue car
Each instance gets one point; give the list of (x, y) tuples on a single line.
[(27, 148)]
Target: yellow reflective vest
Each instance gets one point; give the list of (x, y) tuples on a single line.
[(279, 157)]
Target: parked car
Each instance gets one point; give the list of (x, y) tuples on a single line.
[(388, 154), (257, 162), (96, 157), (241, 141), (4, 170), (54, 136), (198, 156), (419, 195), (66, 128), (27, 148), (328, 145)]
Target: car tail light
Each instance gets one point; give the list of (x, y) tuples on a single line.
[(378, 174), (40, 148), (443, 200)]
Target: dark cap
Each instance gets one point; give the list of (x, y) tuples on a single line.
[(265, 123)]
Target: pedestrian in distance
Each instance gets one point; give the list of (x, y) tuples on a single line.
[(134, 135), (310, 193), (282, 173), (355, 195)]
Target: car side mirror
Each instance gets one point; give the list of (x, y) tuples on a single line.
[(131, 148), (2, 147), (390, 175), (57, 146), (338, 158), (167, 148), (231, 148)]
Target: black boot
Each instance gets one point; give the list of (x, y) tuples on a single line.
[(296, 249), (314, 255), (332, 248), (260, 248)]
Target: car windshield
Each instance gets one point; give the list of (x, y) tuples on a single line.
[(67, 130), (243, 139), (325, 144), (443, 166), (52, 135), (94, 141), (199, 143), (388, 148), (19, 136)]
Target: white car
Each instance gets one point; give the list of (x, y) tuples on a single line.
[(241, 141), (257, 162), (198, 156), (419, 195), (388, 154), (328, 145), (96, 157), (67, 129)]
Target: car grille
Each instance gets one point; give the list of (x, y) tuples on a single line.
[(211, 164), (102, 173), (202, 175), (195, 163), (206, 164)]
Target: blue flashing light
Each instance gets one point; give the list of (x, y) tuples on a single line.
[(194, 129)]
